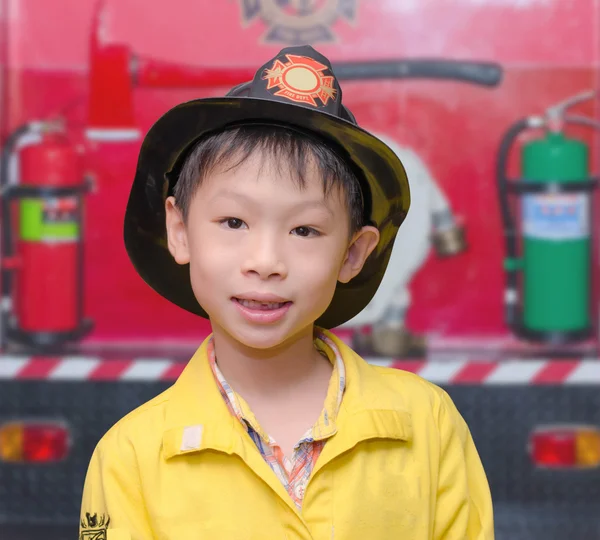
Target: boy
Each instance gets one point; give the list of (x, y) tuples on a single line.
[(273, 214)]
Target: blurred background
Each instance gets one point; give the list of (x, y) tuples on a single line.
[(493, 287)]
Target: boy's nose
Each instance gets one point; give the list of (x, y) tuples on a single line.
[(265, 259)]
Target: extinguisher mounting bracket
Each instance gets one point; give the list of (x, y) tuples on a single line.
[(20, 191), (563, 338), (522, 186), (48, 341)]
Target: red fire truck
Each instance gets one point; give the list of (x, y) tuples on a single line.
[(513, 340)]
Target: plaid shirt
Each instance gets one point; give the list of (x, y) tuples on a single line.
[(292, 472)]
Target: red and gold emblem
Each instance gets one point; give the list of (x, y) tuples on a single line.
[(301, 79)]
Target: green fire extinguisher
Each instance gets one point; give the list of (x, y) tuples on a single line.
[(548, 254)]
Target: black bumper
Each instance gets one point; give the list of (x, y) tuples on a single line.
[(529, 503)]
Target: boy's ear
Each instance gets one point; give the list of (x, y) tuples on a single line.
[(176, 232), (362, 245)]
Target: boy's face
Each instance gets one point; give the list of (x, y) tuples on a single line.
[(264, 254)]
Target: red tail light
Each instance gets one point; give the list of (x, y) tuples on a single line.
[(30, 442), (566, 447)]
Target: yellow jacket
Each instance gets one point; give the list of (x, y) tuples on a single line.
[(181, 467)]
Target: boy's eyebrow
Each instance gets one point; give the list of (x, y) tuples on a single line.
[(244, 199)]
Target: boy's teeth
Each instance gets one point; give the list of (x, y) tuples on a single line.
[(253, 304)]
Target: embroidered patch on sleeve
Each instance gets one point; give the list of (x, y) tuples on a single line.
[(94, 527)]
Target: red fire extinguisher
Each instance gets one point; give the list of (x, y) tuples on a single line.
[(42, 248)]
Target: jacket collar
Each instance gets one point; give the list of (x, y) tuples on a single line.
[(196, 406), (197, 417), (372, 408)]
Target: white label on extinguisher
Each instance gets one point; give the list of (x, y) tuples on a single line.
[(556, 216)]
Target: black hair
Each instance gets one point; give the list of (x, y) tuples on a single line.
[(289, 147)]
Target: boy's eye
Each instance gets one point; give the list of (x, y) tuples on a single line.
[(232, 223), (305, 231)]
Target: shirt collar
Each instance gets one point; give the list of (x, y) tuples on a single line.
[(324, 427)]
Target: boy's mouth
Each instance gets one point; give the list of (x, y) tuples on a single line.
[(259, 305)]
